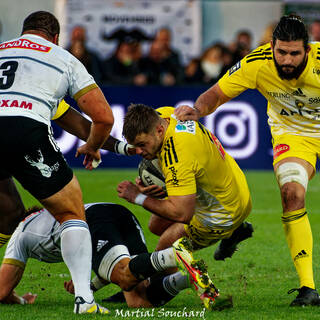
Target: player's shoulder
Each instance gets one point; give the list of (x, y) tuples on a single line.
[(315, 50), (165, 112), (259, 56)]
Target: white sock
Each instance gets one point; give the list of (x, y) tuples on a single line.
[(163, 259), (176, 282), (77, 253)]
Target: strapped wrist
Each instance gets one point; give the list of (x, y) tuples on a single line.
[(140, 198), (121, 147)]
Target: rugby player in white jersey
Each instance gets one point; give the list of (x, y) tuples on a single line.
[(120, 256), (286, 72), (35, 75)]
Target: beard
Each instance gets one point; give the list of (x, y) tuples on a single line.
[(295, 71)]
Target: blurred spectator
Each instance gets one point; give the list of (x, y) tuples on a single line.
[(163, 37), (242, 45), (227, 59), (162, 66), (123, 67), (267, 34), (315, 30), (81, 52), (208, 68)]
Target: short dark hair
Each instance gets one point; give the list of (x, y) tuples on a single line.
[(42, 21), (139, 119), (291, 28)]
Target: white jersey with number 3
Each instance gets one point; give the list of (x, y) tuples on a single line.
[(35, 75)]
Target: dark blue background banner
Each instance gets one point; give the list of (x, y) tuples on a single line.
[(240, 125)]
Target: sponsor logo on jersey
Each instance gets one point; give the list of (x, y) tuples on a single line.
[(298, 93), (279, 95), (316, 71), (299, 104), (235, 68), (175, 180), (15, 103), (24, 44), (280, 149), (186, 126), (314, 100)]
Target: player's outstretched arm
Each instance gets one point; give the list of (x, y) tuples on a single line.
[(206, 103), (10, 276), (76, 124)]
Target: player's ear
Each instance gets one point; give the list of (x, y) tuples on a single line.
[(308, 49), (272, 44), (56, 39), (160, 129)]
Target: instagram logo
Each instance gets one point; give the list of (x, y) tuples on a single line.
[(235, 124)]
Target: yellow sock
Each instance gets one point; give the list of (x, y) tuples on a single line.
[(4, 238), (299, 238)]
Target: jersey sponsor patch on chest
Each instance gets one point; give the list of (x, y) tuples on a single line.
[(24, 44), (186, 126)]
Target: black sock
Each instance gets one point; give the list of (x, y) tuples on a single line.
[(141, 266), (156, 292)]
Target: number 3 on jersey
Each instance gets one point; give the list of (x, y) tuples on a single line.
[(7, 74)]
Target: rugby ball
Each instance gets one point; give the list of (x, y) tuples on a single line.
[(150, 173)]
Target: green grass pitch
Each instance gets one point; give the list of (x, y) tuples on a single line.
[(258, 276)]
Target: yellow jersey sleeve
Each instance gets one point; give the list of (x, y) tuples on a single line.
[(243, 75), (62, 108)]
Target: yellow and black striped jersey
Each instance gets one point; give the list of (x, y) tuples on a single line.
[(293, 105), (194, 162)]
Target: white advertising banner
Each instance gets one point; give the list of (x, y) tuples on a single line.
[(102, 18)]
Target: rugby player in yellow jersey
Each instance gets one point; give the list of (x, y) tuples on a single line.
[(287, 73), (208, 196)]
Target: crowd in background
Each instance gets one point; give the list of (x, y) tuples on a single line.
[(162, 65)]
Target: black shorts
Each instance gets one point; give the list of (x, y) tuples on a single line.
[(111, 225), (30, 154)]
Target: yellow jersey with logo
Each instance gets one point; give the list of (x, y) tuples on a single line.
[(194, 162), (293, 105)]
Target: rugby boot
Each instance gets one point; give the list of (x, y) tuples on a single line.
[(227, 247), (83, 307), (305, 297)]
